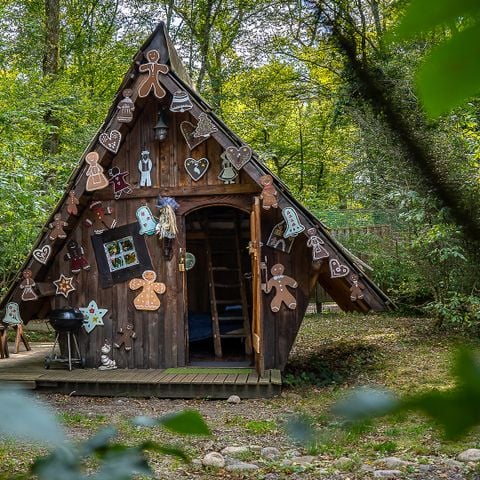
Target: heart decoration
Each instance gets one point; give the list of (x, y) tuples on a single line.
[(42, 254), (337, 269), (111, 141), (187, 129), (238, 156), (196, 168)]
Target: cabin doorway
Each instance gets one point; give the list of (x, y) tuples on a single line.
[(219, 290)]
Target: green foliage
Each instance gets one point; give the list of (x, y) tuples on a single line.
[(66, 461), (457, 310)]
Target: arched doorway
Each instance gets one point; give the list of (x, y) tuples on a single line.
[(219, 293)]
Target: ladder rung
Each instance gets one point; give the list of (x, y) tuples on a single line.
[(233, 335), (225, 269), (231, 317), (226, 302), (226, 285)]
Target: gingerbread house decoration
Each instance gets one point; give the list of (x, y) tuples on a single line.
[(168, 193)]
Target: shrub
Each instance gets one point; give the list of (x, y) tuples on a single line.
[(457, 311)]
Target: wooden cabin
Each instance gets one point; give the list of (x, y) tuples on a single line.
[(192, 250)]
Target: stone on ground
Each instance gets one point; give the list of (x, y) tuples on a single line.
[(232, 451), (271, 453), (470, 455), (392, 462), (213, 459), (241, 467), (233, 399), (389, 474)]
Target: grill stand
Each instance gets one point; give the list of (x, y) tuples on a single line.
[(53, 357)]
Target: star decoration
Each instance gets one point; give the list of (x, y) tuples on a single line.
[(93, 316), (64, 285)]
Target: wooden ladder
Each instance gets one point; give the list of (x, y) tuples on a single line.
[(234, 288)]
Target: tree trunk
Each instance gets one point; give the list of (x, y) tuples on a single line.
[(51, 144)]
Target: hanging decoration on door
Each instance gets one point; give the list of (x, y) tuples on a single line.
[(294, 227), (196, 168), (228, 174), (64, 285), (167, 221), (27, 286), (269, 192), (145, 168), (239, 156), (356, 289), (125, 337), (150, 79), (277, 240), (96, 180), (119, 184), (93, 316), (147, 221), (180, 102), (72, 202), (205, 126), (125, 107), (187, 129), (57, 227), (42, 254), (279, 282), (76, 256), (189, 261), (147, 299), (316, 244), (111, 141), (12, 314), (337, 269), (100, 218)]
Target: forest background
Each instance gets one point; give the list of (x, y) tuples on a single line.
[(277, 74)]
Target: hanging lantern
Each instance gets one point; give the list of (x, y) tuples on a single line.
[(161, 127), (180, 102)]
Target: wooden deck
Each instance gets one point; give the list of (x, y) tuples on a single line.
[(26, 369)]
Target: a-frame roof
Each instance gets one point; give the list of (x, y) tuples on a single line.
[(178, 79)]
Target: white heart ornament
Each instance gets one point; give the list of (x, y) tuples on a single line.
[(196, 168), (238, 156), (111, 141), (42, 255), (337, 269)]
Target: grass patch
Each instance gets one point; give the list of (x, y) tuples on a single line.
[(260, 427)]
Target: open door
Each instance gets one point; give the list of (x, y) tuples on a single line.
[(257, 307)]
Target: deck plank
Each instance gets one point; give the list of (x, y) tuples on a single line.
[(220, 378), (242, 378), (231, 378)]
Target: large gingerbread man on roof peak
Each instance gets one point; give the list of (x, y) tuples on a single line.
[(151, 81)]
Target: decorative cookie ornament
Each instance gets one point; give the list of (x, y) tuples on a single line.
[(57, 227), (146, 220), (106, 363), (294, 227), (187, 129), (239, 156), (205, 126), (147, 300), (337, 269), (99, 218), (180, 102), (279, 282), (269, 192), (356, 290), (125, 107), (151, 81), (93, 316), (316, 244), (72, 202), (12, 314), (118, 182), (125, 337), (278, 241), (27, 285), (145, 168), (111, 141), (42, 255), (196, 168), (64, 285), (76, 256), (96, 180), (228, 174)]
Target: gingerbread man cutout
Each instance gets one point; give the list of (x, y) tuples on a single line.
[(280, 282), (57, 227), (76, 255), (269, 193), (72, 202), (316, 244), (125, 337), (356, 292), (96, 180), (28, 293), (152, 69), (125, 107), (100, 218), (147, 300), (119, 184)]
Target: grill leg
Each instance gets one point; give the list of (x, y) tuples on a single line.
[(69, 352)]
